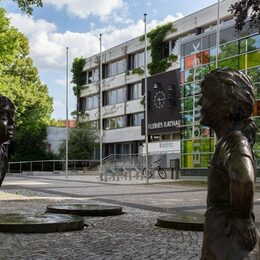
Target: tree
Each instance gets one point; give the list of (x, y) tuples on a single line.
[(241, 11), (79, 79), (81, 143), (26, 5), (19, 80)]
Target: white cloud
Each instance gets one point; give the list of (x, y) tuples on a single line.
[(58, 103), (48, 47), (61, 82), (86, 8), (29, 26)]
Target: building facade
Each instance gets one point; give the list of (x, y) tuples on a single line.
[(173, 112)]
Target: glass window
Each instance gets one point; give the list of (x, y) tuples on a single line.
[(182, 77), (187, 104), (82, 104), (165, 50), (112, 123), (115, 96), (228, 35), (242, 46), (254, 74), (138, 60), (197, 74), (89, 80), (187, 118), (136, 119), (202, 71), (126, 148), (231, 63), (182, 63), (257, 90), (182, 91), (113, 68), (212, 40), (112, 97), (182, 50), (192, 47), (205, 42), (228, 50), (91, 102), (121, 122), (213, 54), (189, 77), (136, 91), (190, 89), (191, 61), (253, 59), (121, 95), (121, 65), (95, 75), (253, 42), (186, 132)]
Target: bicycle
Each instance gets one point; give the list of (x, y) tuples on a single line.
[(154, 166)]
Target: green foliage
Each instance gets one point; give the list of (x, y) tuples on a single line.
[(241, 8), (57, 123), (79, 79), (26, 5), (81, 143), (142, 101), (156, 37), (30, 144), (19, 81), (139, 71), (78, 75)]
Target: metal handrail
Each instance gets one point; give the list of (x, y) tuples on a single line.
[(48, 165)]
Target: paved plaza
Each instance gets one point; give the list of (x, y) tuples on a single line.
[(132, 235)]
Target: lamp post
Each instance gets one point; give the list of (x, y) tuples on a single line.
[(217, 51), (217, 35), (67, 114), (146, 100), (100, 109)]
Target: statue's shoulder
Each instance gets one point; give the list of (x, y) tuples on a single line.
[(236, 144)]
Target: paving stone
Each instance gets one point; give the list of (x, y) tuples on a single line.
[(132, 235)]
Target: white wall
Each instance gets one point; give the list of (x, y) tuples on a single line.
[(127, 134), (163, 147), (55, 137)]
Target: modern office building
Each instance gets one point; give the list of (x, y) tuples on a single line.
[(173, 112)]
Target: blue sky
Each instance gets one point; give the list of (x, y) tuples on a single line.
[(77, 24)]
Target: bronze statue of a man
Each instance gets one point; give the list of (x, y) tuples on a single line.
[(226, 106), (6, 132)]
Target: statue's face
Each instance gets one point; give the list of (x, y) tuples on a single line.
[(6, 123), (207, 109)]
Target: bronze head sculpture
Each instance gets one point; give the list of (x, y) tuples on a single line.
[(6, 132), (226, 106)]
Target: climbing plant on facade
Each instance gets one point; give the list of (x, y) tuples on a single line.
[(156, 37), (79, 80)]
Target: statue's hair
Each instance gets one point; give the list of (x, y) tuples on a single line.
[(6, 101), (237, 93)]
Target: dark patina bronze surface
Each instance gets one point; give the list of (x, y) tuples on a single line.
[(83, 209), (6, 133), (184, 221), (39, 223), (226, 106)]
